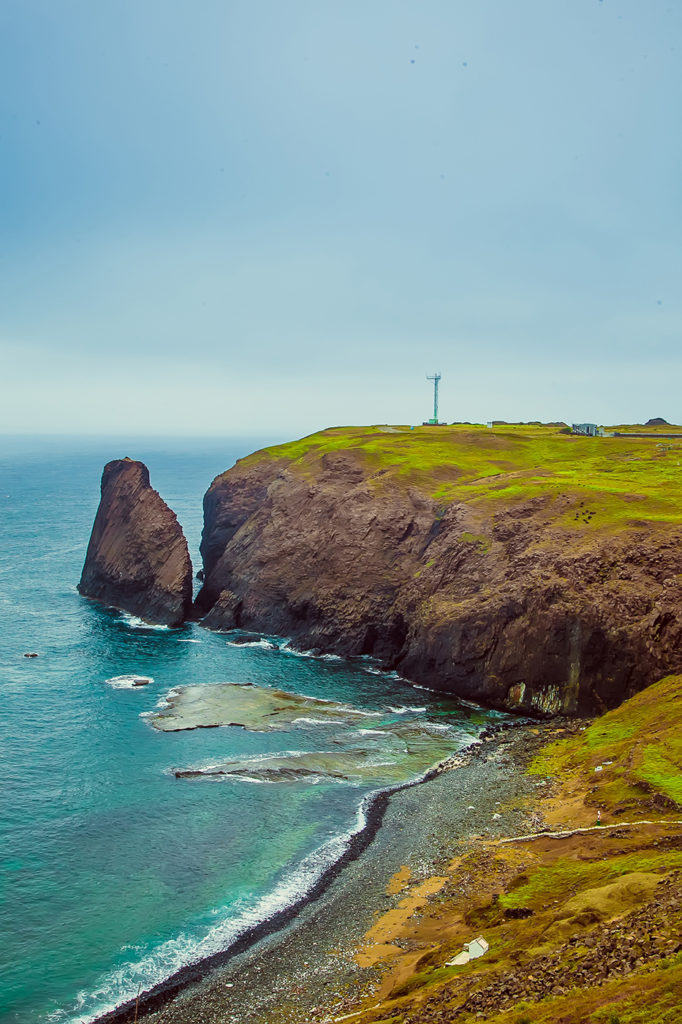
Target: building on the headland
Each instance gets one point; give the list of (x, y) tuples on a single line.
[(585, 429)]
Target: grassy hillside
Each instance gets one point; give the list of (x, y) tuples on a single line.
[(595, 482), (631, 755), (584, 927)]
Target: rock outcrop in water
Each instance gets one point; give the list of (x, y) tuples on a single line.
[(137, 558), (502, 567)]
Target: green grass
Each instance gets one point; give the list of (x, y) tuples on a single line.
[(661, 768), (642, 739), (565, 877), (588, 482)]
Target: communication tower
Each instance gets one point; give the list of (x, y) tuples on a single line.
[(435, 378)]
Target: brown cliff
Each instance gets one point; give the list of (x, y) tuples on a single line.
[(458, 560), (137, 559)]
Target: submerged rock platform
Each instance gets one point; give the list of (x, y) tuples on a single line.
[(256, 708), (382, 747)]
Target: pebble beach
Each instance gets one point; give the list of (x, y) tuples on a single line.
[(311, 970)]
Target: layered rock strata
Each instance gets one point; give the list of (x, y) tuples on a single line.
[(137, 559), (528, 605)]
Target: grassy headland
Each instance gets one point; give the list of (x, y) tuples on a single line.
[(520, 566), (610, 481)]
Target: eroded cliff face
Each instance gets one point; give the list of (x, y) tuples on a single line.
[(526, 604), (137, 559)]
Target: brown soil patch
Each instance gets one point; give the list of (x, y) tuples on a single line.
[(399, 881)]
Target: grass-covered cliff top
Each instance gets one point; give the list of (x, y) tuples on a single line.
[(619, 481)]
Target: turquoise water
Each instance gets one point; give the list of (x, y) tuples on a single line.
[(113, 872)]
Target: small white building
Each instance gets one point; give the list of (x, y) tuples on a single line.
[(472, 950)]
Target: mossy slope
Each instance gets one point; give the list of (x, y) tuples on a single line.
[(632, 755), (585, 929)]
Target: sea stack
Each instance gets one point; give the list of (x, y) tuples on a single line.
[(137, 558)]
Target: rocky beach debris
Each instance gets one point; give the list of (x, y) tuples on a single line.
[(137, 559)]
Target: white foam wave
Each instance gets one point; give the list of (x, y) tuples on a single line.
[(168, 957), (251, 759), (129, 682), (264, 645), (164, 701), (287, 649), (391, 674), (406, 710), (247, 778), (472, 704), (311, 780), (184, 640), (317, 721), (362, 714), (134, 622)]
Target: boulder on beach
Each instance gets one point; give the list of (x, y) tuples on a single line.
[(137, 558)]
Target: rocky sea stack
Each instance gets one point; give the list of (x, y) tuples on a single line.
[(137, 558)]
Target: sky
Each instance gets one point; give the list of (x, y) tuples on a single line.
[(253, 217)]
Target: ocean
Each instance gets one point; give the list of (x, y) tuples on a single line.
[(114, 873)]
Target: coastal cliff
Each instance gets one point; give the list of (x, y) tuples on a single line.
[(137, 559), (519, 566)]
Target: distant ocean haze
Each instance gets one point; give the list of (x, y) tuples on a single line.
[(114, 873)]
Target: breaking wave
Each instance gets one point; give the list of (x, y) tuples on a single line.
[(135, 622), (129, 682), (152, 967)]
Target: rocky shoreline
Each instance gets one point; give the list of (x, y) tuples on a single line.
[(525, 592), (300, 965)]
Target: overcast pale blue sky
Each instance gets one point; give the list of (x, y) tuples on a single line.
[(254, 216)]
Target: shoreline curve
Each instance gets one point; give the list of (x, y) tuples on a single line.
[(164, 992)]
